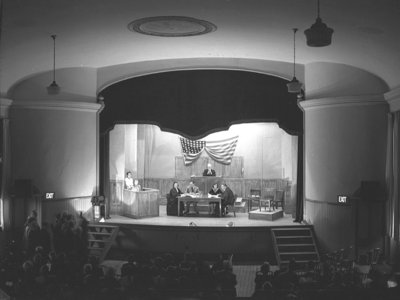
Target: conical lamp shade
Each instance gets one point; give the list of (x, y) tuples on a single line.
[(53, 88)]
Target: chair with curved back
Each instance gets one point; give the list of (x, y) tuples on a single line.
[(267, 199), (255, 195), (279, 199), (231, 207)]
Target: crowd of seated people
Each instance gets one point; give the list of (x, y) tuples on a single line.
[(166, 276), (47, 261), (335, 277), (53, 263), (58, 267)]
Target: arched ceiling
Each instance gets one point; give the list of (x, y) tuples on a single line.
[(94, 33)]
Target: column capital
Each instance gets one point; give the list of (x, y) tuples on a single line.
[(58, 105), (5, 104), (393, 98), (348, 101)]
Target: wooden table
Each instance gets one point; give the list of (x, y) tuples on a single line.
[(205, 183), (185, 199), (250, 200)]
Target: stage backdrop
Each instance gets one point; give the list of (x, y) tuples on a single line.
[(267, 155)]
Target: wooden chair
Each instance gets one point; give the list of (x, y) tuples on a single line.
[(279, 199), (267, 199), (255, 195), (231, 207)]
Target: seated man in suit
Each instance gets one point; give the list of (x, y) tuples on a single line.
[(209, 171), (192, 189), (215, 191), (227, 197)]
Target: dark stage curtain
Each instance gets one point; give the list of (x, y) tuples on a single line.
[(197, 102)]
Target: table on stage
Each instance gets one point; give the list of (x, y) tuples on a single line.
[(185, 198)]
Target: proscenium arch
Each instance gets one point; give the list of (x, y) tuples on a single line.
[(195, 103)]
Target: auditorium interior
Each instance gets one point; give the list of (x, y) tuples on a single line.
[(294, 105)]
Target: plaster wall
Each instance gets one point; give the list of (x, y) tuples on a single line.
[(55, 148)]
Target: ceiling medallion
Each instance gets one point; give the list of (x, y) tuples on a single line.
[(171, 26)]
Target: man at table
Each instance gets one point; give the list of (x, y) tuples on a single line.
[(209, 171), (214, 192), (192, 190), (227, 197)]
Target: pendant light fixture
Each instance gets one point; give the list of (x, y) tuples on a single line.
[(54, 88), (294, 86), (319, 34)]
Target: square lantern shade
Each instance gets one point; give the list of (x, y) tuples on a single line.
[(294, 86)]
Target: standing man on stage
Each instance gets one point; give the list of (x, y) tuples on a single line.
[(209, 171), (227, 197)]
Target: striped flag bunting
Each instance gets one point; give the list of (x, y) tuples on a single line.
[(221, 151)]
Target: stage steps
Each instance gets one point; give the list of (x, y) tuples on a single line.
[(294, 242), (100, 239)]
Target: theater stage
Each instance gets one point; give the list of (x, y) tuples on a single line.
[(250, 239), (205, 220)]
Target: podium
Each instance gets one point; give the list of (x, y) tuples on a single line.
[(141, 204), (204, 183)]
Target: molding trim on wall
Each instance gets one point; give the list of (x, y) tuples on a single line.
[(393, 98), (67, 199), (71, 205), (4, 106), (58, 105), (110, 75), (348, 101)]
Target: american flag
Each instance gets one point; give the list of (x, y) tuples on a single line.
[(221, 150), (191, 150)]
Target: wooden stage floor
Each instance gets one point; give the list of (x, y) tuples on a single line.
[(203, 220)]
